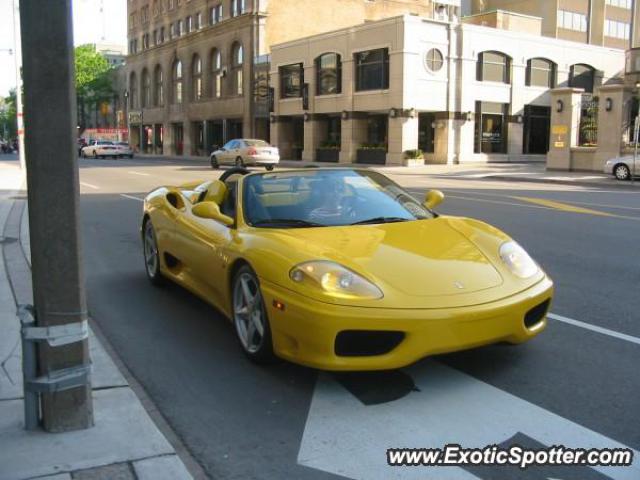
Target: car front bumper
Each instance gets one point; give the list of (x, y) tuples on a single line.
[(305, 331), (608, 168)]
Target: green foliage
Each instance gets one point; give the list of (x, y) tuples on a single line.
[(330, 145), (93, 79), (8, 115), (414, 154), (373, 146), (92, 74)]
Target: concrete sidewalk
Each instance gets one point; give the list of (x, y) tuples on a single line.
[(125, 442), (534, 172)]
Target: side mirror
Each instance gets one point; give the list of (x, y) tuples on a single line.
[(211, 210), (433, 199)]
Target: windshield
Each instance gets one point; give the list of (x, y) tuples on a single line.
[(324, 198)]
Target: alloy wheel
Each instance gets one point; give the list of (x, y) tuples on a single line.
[(248, 312), (151, 256), (622, 172)]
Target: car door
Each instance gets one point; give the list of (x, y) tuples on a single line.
[(227, 152), (201, 244)]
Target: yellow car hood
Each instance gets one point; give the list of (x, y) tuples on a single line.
[(434, 263)]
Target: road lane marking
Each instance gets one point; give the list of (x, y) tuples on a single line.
[(603, 205), (595, 328), (345, 436), (131, 197), (500, 202), (133, 172), (85, 184), (565, 207)]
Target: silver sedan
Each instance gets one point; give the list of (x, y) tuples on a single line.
[(622, 167), (246, 151)]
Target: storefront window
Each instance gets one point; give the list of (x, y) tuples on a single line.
[(377, 131), (328, 74), (372, 69), (491, 127), (291, 79)]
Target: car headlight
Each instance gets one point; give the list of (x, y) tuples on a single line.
[(518, 260), (334, 279)]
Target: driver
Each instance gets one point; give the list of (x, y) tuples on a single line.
[(328, 194)]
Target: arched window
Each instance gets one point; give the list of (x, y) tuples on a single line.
[(494, 67), (158, 80), (541, 73), (582, 76), (133, 91), (328, 74), (177, 82), (216, 73), (196, 78), (237, 58), (146, 89)]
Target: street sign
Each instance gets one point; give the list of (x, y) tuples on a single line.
[(135, 117)]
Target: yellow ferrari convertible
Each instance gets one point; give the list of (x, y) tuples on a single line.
[(340, 268)]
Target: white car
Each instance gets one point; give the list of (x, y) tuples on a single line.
[(100, 149), (622, 167), (246, 151), (124, 149)]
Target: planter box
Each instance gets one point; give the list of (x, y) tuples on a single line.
[(374, 156), (327, 155)]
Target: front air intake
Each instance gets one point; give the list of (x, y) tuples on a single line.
[(536, 314), (366, 343)]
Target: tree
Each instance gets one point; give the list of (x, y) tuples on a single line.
[(8, 115), (93, 80)]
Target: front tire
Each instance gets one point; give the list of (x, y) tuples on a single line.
[(239, 162), (269, 167), (95, 155), (151, 254), (622, 172), (214, 162), (250, 317)]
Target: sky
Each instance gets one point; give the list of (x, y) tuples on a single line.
[(89, 26)]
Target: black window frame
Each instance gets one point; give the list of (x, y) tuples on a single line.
[(360, 65), (480, 70), (552, 75), (320, 70), (299, 69), (573, 77)]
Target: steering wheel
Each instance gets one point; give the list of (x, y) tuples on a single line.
[(233, 171)]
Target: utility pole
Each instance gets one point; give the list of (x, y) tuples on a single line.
[(60, 311)]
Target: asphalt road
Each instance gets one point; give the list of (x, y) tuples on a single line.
[(571, 385)]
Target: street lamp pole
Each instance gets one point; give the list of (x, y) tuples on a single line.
[(17, 56)]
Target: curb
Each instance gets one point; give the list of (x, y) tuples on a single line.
[(19, 277)]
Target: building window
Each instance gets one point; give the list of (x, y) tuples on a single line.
[(237, 7), (372, 69), (582, 76), (620, 3), (158, 99), (196, 78), (198, 21), (215, 14), (133, 91), (494, 67), (161, 35), (291, 80), (146, 89), (434, 60), (188, 24), (177, 82), (541, 73), (179, 28), (614, 29), (491, 127), (572, 20), (216, 73), (328, 74), (237, 59)]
